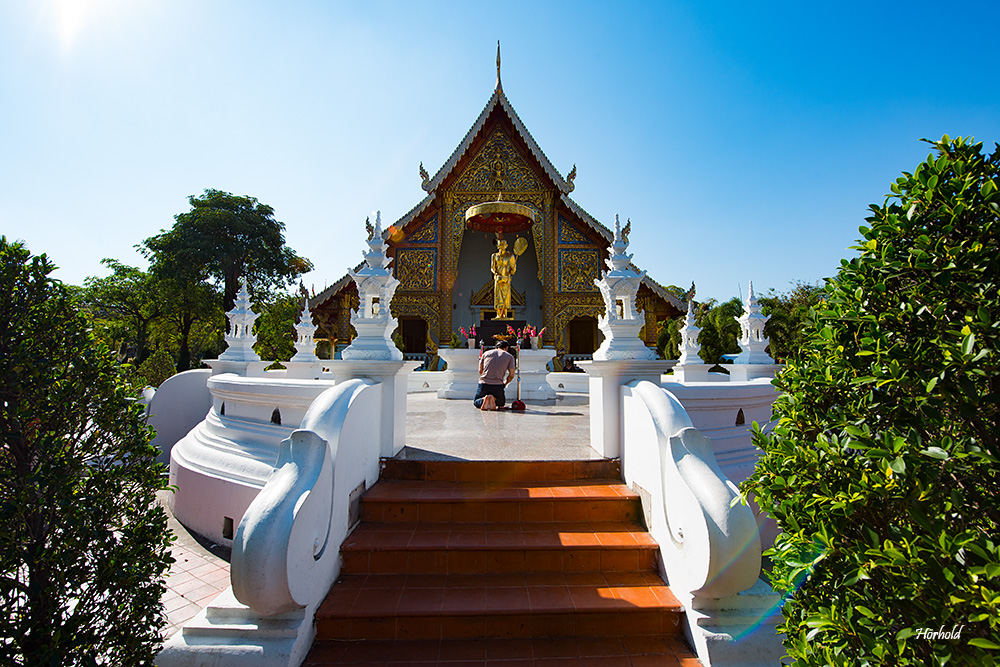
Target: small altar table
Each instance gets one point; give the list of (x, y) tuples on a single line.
[(462, 375)]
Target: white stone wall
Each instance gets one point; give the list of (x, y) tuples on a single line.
[(178, 405)]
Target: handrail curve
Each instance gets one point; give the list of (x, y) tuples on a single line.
[(280, 556), (713, 546)]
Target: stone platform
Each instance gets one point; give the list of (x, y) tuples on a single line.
[(552, 430)]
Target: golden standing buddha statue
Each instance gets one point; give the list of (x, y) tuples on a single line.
[(503, 266)]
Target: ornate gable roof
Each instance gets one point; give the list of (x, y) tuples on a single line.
[(498, 99), (498, 102)]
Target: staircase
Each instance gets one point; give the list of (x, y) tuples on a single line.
[(490, 563)]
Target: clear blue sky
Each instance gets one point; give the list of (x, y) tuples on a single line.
[(744, 140)]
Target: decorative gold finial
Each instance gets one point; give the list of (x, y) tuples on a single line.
[(569, 178), (499, 85)]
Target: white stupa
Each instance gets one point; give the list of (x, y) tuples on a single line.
[(620, 322), (372, 320)]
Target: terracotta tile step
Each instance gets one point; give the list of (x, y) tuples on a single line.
[(611, 622), (459, 510), (493, 581), (372, 549), (384, 595), (396, 607), (585, 652), (500, 471), (500, 560), (490, 491), (542, 535)]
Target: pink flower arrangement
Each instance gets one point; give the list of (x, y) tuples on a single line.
[(471, 333), (531, 332)]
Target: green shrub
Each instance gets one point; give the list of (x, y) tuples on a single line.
[(157, 368), (719, 329), (275, 328), (882, 469), (668, 339), (83, 544), (787, 312)]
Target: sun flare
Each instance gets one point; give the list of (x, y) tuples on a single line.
[(71, 17)]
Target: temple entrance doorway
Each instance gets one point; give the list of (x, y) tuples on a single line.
[(414, 332), (583, 335)]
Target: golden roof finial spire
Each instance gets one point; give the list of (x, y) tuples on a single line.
[(499, 85)]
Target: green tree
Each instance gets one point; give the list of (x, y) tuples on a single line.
[(123, 307), (155, 370), (83, 544), (719, 329), (882, 470), (668, 340), (275, 328), (224, 237), (788, 312), (193, 323)]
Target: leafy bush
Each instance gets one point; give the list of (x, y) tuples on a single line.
[(720, 331), (157, 368), (150, 373), (83, 544), (275, 328), (788, 313), (668, 339), (882, 471)]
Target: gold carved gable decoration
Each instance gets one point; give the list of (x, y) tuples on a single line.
[(578, 269), (416, 269), (498, 167), (426, 233)]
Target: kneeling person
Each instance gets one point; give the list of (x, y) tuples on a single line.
[(496, 370)]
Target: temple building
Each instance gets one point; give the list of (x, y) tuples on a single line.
[(442, 256)]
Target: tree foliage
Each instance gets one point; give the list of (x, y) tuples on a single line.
[(882, 470), (224, 237), (275, 328), (719, 329), (668, 339), (788, 313), (193, 324), (152, 372), (83, 544), (123, 307)]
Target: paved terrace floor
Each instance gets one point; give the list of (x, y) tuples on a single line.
[(436, 430), (440, 429)]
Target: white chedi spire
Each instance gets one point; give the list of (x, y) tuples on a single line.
[(690, 349), (240, 339), (376, 287), (305, 345), (753, 342), (620, 322), (618, 261)]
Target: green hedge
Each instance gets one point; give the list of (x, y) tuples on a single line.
[(882, 469)]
